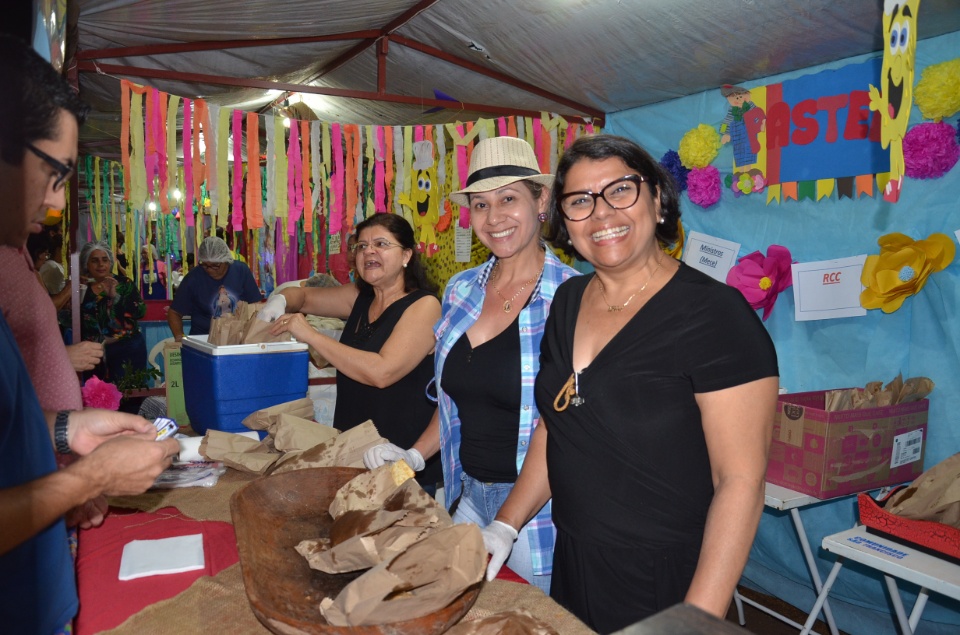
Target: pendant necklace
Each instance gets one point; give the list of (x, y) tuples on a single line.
[(620, 307), (569, 394), (508, 304)]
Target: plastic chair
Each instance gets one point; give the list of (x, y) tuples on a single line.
[(157, 351)]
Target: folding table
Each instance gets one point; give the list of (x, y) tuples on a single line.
[(894, 560), (784, 499)]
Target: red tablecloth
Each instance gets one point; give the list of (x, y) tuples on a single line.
[(105, 601)]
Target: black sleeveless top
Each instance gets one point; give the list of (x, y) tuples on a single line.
[(400, 411)]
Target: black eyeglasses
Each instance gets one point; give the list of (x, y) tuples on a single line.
[(62, 169), (619, 194)]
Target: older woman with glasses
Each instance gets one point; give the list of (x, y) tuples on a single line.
[(384, 358), (211, 290), (657, 386)]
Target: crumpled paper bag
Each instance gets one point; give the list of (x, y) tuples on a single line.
[(428, 576), (934, 495), (370, 490), (344, 450), (876, 395), (296, 433), (360, 539), (506, 623), (268, 418)]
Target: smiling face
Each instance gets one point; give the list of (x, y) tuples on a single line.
[(900, 29), (30, 185), (381, 266), (98, 265), (505, 219), (612, 238)]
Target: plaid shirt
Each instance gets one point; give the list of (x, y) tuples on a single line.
[(462, 301)]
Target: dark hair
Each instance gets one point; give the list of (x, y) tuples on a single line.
[(35, 96), (597, 148), (38, 244), (414, 276)]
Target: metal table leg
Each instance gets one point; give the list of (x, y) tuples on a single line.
[(822, 596), (814, 573)]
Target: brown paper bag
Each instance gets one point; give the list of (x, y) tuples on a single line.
[(217, 444), (253, 462), (506, 623), (343, 450), (425, 578), (267, 418), (934, 495), (295, 433), (370, 490)]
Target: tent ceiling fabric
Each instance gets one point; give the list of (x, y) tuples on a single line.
[(608, 55)]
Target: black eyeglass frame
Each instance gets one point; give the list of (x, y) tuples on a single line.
[(635, 178), (63, 170)]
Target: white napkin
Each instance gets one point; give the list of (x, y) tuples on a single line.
[(142, 558)]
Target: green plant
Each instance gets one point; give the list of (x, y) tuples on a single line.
[(136, 378)]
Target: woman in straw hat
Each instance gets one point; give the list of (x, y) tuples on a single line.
[(488, 347), (657, 388)]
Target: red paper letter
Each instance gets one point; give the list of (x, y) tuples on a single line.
[(831, 105), (807, 127), (857, 115), (778, 125)]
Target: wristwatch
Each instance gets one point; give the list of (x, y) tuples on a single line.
[(60, 432)]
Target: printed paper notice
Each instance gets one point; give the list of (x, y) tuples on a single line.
[(333, 246), (828, 289), (713, 256), (463, 241)]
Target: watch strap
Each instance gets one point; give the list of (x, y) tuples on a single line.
[(60, 432)]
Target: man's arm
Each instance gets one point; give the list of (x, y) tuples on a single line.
[(175, 321)]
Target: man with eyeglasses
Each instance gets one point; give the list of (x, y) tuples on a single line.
[(212, 289), (39, 119)]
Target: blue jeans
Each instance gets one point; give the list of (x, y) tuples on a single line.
[(479, 504)]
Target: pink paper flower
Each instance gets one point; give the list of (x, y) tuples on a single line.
[(761, 278), (703, 185), (930, 150), (100, 394)]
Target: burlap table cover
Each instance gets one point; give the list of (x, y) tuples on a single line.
[(219, 603)]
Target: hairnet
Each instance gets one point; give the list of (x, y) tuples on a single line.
[(91, 247), (213, 249)]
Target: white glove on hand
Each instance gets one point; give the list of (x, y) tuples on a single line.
[(498, 538), (275, 307), (388, 453)]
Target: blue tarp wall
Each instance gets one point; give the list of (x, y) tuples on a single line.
[(920, 339)]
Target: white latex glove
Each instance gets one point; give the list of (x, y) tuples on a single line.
[(498, 538), (275, 307), (388, 453)]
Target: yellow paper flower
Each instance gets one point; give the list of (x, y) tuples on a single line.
[(937, 94), (902, 268), (699, 147), (676, 249)]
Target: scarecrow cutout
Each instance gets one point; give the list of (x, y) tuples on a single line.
[(895, 96), (424, 200), (742, 126)]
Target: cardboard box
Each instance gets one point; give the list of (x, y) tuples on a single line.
[(224, 384), (827, 454)]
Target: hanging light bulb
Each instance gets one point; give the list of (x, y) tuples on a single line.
[(151, 206), (177, 195), (286, 122)]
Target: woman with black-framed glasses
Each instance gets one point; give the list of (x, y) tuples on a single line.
[(657, 388)]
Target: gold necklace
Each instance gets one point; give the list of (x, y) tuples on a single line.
[(620, 307), (508, 304)]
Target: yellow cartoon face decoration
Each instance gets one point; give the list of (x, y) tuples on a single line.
[(894, 98), (424, 199)]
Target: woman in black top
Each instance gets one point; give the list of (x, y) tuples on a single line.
[(657, 386), (384, 358)]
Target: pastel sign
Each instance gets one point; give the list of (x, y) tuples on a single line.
[(820, 126)]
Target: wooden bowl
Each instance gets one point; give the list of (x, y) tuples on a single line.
[(271, 516)]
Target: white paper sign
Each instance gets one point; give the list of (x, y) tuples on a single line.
[(713, 256), (828, 288), (463, 241)]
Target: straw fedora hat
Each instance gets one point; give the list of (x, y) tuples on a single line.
[(500, 161)]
